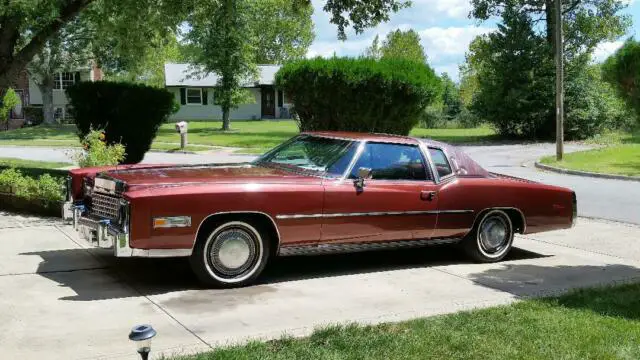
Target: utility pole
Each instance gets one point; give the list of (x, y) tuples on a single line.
[(559, 81)]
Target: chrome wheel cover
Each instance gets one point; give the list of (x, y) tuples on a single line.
[(232, 252), (494, 234)]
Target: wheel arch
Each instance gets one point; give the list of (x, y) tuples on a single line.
[(208, 223), (516, 216)]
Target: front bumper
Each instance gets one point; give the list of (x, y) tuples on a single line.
[(100, 233)]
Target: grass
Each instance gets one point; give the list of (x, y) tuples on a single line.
[(255, 136), (20, 163), (621, 156), (601, 323)]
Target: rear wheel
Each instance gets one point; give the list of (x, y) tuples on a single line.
[(232, 255), (491, 238)]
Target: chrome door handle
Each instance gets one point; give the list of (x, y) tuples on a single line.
[(427, 195)]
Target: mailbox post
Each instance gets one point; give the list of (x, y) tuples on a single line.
[(181, 128)]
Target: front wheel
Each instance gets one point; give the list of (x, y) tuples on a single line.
[(491, 238), (232, 255)]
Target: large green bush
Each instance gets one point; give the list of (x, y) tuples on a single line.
[(622, 70), (365, 95), (128, 113)]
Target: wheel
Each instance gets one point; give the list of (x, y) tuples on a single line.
[(232, 255), (491, 239)]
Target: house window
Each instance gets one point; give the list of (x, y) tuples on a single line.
[(63, 80), (194, 96), (280, 98)]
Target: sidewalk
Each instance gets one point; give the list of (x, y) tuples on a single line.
[(62, 301)]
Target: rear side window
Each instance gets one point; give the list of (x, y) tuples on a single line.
[(440, 161)]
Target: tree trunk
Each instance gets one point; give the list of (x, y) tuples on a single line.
[(47, 103), (550, 22), (225, 119)]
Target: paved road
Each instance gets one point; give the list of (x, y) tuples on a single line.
[(616, 200), (600, 198), (61, 300)]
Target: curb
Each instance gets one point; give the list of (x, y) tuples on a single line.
[(586, 173)]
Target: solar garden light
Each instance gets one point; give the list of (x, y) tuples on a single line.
[(141, 336)]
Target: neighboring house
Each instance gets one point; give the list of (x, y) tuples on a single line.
[(196, 95), (62, 81)]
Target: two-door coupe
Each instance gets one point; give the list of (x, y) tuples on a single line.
[(318, 193)]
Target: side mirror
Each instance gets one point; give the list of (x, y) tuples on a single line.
[(363, 174)]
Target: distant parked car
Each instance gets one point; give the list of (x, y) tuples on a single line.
[(318, 193)]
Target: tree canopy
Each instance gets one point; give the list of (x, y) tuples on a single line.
[(403, 45), (122, 27), (622, 70), (512, 70)]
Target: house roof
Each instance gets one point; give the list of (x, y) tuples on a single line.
[(179, 75)]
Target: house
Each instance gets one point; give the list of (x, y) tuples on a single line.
[(196, 95), (62, 81), (31, 96)]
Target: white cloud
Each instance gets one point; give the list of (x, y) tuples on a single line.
[(603, 50), (450, 8), (440, 42)]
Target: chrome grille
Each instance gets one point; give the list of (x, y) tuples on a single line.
[(105, 206)]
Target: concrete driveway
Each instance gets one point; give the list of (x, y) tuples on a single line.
[(61, 300)]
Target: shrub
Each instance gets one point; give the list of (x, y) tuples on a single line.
[(129, 113), (622, 69), (8, 101), (366, 95), (45, 188), (96, 152)]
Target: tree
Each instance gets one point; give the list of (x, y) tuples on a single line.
[(221, 33), (281, 32), (622, 70), (452, 104), (26, 25), (9, 101), (515, 94), (148, 69), (403, 45), (373, 51)]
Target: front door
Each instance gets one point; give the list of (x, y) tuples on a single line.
[(268, 102), (397, 203)]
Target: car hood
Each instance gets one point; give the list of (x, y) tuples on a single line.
[(209, 174)]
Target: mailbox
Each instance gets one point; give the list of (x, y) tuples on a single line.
[(181, 127)]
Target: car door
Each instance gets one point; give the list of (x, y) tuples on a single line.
[(398, 202)]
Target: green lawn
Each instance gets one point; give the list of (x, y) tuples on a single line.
[(255, 136), (622, 156), (20, 163), (599, 323)]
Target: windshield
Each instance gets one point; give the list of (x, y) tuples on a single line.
[(310, 153)]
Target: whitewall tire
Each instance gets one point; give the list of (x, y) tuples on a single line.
[(491, 238), (232, 255)]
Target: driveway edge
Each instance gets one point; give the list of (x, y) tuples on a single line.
[(585, 173)]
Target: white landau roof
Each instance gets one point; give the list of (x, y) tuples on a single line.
[(179, 75)]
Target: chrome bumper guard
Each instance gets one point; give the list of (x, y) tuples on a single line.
[(100, 233)]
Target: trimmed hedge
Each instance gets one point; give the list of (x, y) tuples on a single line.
[(128, 113), (358, 94)]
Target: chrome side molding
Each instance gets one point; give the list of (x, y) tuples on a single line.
[(321, 249)]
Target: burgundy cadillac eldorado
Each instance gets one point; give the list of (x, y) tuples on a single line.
[(318, 193)]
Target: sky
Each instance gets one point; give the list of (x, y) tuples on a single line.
[(444, 28)]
